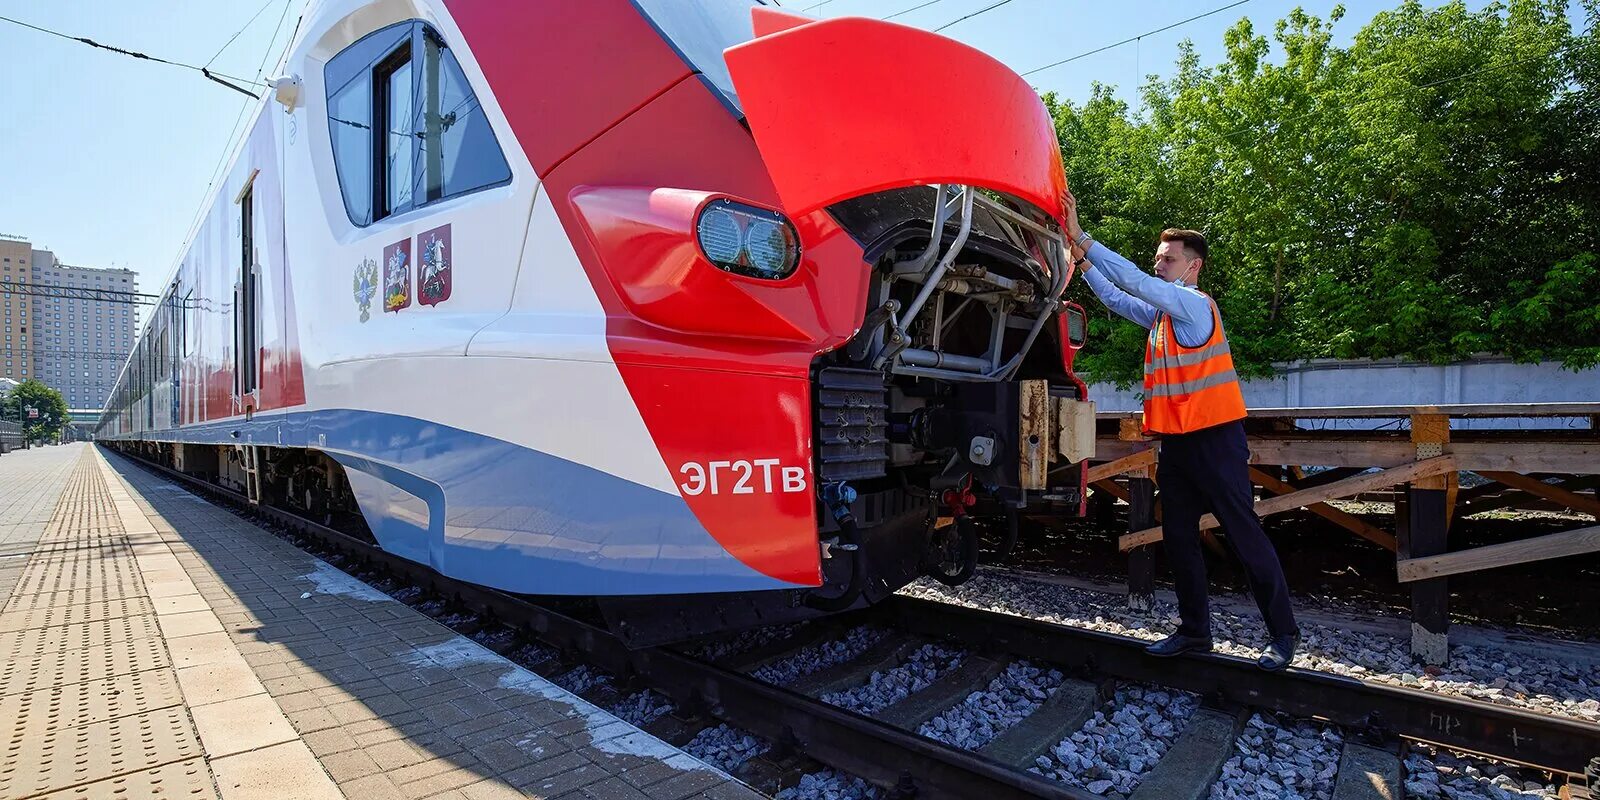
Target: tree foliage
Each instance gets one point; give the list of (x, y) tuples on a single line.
[(1431, 190), (51, 405)]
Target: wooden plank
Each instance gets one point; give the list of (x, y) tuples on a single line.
[(1143, 458), (1489, 410), (1478, 500), (1570, 499), (1349, 522), (1142, 560), (1561, 457), (1110, 487), (1539, 548), (1131, 429), (1034, 438), (1343, 488), (1430, 433), (1567, 458), (1114, 489)]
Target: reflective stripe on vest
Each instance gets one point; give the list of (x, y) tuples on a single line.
[(1188, 389), (1189, 359)]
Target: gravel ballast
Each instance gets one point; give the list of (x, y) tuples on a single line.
[(887, 687), (1287, 759), (1512, 679), (820, 655), (983, 715), (1114, 750)]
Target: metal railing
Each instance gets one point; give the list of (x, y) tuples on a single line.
[(10, 436)]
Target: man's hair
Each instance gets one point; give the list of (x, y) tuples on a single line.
[(1193, 241)]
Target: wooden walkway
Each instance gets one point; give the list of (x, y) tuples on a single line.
[(1420, 457)]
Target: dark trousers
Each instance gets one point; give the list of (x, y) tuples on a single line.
[(1208, 471)]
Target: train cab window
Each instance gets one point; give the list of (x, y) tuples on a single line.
[(406, 128), (393, 112), (457, 151)]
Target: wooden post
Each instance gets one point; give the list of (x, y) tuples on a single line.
[(1141, 560), (1422, 536), (1427, 517)]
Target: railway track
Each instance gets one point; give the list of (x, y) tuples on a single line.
[(884, 747)]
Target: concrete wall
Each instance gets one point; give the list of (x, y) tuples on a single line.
[(1392, 382)]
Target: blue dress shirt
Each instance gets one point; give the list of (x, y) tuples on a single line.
[(1139, 296)]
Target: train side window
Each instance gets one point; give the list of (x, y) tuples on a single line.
[(406, 127), (397, 145), (457, 149), (350, 115)]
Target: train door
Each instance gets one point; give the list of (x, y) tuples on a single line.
[(246, 301)]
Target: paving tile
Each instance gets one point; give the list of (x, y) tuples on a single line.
[(215, 681), (204, 648), (245, 723), (189, 623), (350, 764), (179, 603), (274, 773)]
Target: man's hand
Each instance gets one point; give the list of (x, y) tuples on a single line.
[(1070, 211)]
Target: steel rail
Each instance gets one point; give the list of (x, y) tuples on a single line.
[(1545, 741), (842, 739)]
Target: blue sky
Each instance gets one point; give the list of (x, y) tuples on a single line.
[(105, 159)]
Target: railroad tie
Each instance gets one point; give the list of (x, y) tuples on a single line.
[(1188, 769), (887, 653), (1367, 773), (1062, 714), (916, 708)]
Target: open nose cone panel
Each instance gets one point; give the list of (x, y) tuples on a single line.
[(844, 107)]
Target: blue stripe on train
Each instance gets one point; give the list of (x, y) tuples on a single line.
[(488, 511)]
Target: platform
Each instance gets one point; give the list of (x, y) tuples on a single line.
[(160, 646)]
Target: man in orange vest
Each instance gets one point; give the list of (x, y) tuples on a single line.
[(1193, 404)]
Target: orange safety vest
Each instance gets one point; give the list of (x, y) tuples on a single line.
[(1187, 389)]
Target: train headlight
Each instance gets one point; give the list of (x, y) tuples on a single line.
[(748, 241), (720, 236)]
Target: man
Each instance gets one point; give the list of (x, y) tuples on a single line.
[(1193, 403)]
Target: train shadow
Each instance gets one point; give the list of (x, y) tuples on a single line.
[(391, 702)]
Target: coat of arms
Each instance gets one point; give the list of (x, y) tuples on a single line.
[(397, 275), (364, 285), (433, 275)]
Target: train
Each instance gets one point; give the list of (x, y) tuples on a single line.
[(760, 317)]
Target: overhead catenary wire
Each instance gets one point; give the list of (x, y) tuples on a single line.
[(218, 77), (236, 34), (916, 7), (983, 10), (1133, 39)]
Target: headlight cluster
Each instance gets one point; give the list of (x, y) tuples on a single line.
[(747, 240)]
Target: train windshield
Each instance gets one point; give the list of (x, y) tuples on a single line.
[(700, 31)]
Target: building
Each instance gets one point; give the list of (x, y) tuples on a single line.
[(16, 310), (65, 338)]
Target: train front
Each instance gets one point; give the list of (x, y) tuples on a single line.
[(831, 262)]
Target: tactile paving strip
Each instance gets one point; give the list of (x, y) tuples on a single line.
[(185, 779), (17, 645), (75, 756), (82, 664), (39, 712), (64, 575), (68, 614), (29, 602)]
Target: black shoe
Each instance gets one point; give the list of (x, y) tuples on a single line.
[(1278, 654), (1177, 644)]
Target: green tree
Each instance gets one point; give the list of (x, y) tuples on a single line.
[(49, 402), (1430, 191)]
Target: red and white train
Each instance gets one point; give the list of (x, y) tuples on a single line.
[(746, 301)]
